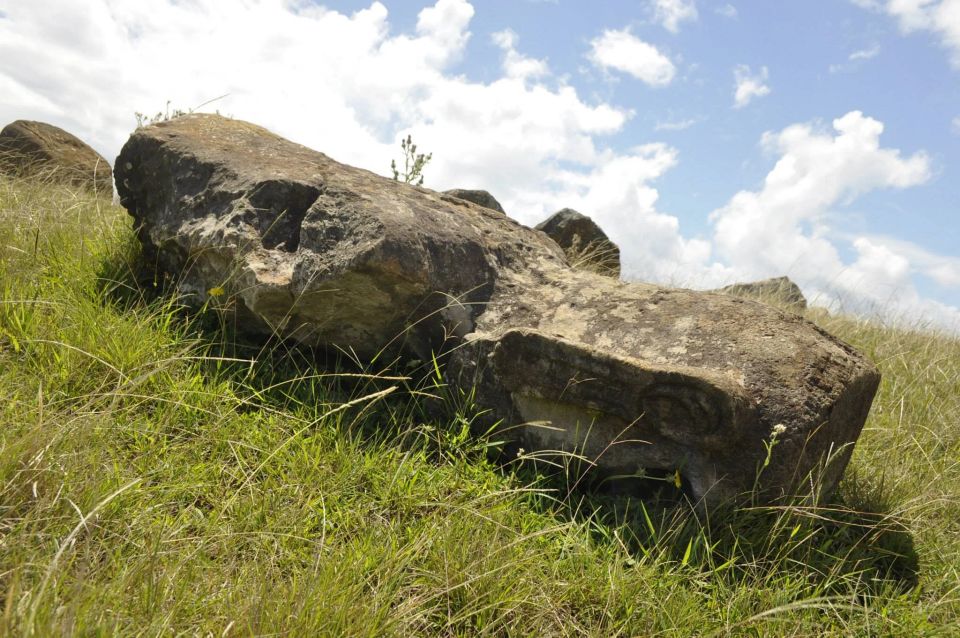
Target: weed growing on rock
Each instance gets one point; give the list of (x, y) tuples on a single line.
[(166, 114), (160, 116), (413, 163)]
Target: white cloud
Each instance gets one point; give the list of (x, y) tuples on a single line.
[(939, 17), (727, 11), (784, 228), (345, 84), (943, 270), (622, 51), (856, 57), (675, 125), (320, 76), (670, 13), (618, 195), (516, 65), (955, 125), (945, 274), (865, 54), (749, 85)]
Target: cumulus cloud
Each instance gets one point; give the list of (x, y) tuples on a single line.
[(748, 85), (670, 13), (784, 227), (619, 196), (939, 17), (941, 269), (515, 64), (327, 79), (624, 52), (815, 171), (346, 84)]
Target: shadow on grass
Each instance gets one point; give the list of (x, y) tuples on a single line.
[(853, 546)]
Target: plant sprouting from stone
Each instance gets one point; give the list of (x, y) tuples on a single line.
[(165, 115), (413, 163), (161, 116)]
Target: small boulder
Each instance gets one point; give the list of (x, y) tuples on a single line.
[(777, 290), (584, 242), (37, 149), (478, 197)]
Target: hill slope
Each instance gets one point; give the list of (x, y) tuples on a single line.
[(157, 478)]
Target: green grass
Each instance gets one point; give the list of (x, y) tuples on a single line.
[(157, 478)]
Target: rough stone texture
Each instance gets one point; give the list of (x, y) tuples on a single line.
[(779, 290), (38, 149), (584, 242), (479, 197), (633, 376), (325, 252)]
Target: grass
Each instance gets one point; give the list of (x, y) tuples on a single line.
[(157, 478), (600, 257)]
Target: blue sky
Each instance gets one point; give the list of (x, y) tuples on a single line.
[(715, 141)]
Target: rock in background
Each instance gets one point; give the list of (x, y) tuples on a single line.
[(479, 197), (778, 290), (586, 245), (633, 376), (37, 149)]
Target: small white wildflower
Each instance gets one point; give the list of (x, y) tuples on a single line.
[(778, 429)]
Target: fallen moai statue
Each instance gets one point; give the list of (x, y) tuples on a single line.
[(633, 376)]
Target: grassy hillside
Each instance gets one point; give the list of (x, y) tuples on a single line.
[(158, 479)]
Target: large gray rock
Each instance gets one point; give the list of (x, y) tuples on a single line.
[(37, 149), (777, 290), (584, 242), (479, 197), (633, 376)]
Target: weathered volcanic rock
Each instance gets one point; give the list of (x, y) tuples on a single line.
[(780, 290), (324, 252), (633, 376), (479, 197), (585, 243), (38, 149)]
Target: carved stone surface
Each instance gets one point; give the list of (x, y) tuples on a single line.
[(633, 376), (39, 149), (779, 290), (479, 197), (584, 242)]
